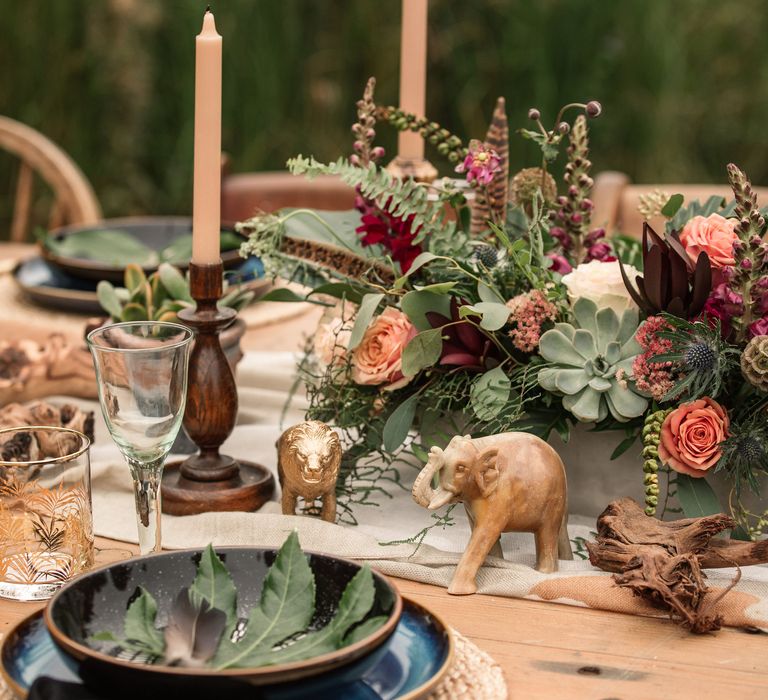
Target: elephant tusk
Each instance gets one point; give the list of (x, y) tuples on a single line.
[(422, 487), (441, 497)]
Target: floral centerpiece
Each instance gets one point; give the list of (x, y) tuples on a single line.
[(494, 304)]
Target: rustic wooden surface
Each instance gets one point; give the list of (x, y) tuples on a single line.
[(559, 652), (550, 651)]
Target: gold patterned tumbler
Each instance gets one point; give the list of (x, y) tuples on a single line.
[(46, 523)]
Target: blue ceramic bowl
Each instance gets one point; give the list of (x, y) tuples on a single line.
[(409, 665), (97, 601)]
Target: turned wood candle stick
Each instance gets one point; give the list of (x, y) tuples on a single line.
[(210, 481)]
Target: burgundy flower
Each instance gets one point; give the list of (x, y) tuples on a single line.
[(394, 233), (758, 328), (559, 264), (464, 345)]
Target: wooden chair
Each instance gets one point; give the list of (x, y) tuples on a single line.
[(244, 194), (616, 201), (74, 200)]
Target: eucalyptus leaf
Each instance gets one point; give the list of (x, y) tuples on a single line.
[(419, 261), (399, 423), (438, 287), (672, 205), (339, 290), (139, 626), (486, 293), (282, 294), (368, 306), (286, 607), (490, 394), (494, 315), (214, 584), (423, 351), (697, 497), (623, 446), (417, 304)]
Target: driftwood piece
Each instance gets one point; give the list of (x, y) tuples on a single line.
[(33, 445), (662, 562), (31, 371)]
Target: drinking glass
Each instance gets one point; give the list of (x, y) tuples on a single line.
[(46, 525), (141, 371)]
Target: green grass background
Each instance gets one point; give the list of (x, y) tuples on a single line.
[(684, 83)]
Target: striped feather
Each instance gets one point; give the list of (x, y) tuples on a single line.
[(494, 206)]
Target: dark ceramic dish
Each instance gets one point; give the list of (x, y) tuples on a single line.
[(97, 601), (409, 665), (156, 232), (46, 284)]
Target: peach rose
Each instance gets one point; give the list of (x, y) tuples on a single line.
[(713, 235), (691, 436), (378, 358)]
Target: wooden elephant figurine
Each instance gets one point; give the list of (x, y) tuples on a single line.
[(308, 460), (511, 482)]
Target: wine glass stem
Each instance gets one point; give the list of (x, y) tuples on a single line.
[(146, 489)]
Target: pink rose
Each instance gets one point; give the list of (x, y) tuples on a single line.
[(691, 436), (378, 358), (713, 235)]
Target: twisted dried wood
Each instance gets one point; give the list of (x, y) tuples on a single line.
[(662, 562)]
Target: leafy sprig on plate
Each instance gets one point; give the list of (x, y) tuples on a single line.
[(203, 630)]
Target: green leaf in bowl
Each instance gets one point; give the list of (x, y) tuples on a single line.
[(111, 247)]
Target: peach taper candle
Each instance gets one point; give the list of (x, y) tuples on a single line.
[(206, 206)]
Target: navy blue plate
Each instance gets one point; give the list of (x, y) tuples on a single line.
[(411, 664), (49, 285)]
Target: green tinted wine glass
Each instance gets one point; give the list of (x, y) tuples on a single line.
[(141, 371)]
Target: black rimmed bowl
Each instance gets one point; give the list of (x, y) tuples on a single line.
[(97, 601), (155, 233)]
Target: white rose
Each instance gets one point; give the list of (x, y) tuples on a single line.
[(602, 283)]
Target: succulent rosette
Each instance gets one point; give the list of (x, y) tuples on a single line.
[(591, 363)]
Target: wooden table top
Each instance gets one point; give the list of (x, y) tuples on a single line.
[(550, 651)]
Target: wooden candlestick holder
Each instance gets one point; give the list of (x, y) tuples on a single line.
[(210, 481), (421, 170)]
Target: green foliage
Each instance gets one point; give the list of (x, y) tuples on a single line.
[(158, 297), (745, 450), (401, 198), (422, 352), (213, 584), (697, 497), (490, 394), (286, 608), (590, 363)]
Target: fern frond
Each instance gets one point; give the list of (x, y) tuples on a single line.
[(401, 198)]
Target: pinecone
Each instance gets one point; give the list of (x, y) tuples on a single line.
[(523, 187), (754, 362)]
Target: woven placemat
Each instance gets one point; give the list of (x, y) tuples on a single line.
[(474, 675)]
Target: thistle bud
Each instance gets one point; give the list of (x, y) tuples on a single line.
[(573, 191), (358, 146), (563, 127), (746, 264), (534, 114), (370, 133), (562, 200), (354, 159), (593, 108), (377, 152), (576, 218), (586, 204)]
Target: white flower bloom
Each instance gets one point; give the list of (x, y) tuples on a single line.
[(602, 283)]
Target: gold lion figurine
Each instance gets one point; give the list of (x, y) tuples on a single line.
[(308, 460)]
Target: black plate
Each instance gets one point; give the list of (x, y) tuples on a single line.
[(96, 602), (156, 232)]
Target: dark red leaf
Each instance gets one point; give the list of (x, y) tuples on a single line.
[(702, 285)]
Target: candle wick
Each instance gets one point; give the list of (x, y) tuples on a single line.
[(207, 9)]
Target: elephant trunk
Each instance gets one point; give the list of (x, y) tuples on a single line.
[(423, 493)]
